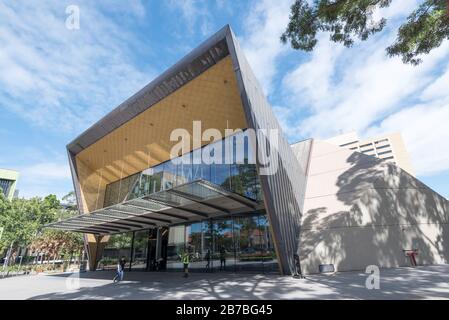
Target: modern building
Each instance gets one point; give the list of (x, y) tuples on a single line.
[(243, 212), (360, 210), (388, 147), (8, 182), (197, 161)]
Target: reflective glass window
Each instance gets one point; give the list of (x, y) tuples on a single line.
[(249, 249), (140, 250), (118, 246), (175, 247), (223, 240)]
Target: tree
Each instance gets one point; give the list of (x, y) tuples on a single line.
[(54, 243), (69, 201), (23, 220), (424, 30)]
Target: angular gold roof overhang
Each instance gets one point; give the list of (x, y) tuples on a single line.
[(144, 141)]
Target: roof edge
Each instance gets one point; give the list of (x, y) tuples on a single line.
[(130, 108)]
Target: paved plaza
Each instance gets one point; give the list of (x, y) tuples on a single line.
[(430, 282)]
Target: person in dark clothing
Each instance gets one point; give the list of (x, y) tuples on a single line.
[(222, 258), (120, 270), (207, 257)]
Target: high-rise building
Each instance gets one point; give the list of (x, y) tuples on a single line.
[(388, 147), (8, 182)]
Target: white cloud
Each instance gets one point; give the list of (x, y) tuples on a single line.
[(44, 178), (360, 88), (194, 12), (261, 40), (47, 170), (65, 79), (425, 131)]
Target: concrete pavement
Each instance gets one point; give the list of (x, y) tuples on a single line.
[(430, 282)]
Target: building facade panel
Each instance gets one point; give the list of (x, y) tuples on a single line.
[(282, 185), (368, 213)]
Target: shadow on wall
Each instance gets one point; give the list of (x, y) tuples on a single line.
[(388, 211)]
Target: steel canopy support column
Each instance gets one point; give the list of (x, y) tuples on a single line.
[(158, 244)]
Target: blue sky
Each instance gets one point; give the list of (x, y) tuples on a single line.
[(56, 82)]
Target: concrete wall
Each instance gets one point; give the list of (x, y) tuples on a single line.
[(359, 211)]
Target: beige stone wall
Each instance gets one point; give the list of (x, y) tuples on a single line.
[(360, 211)]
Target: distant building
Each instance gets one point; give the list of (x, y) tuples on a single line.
[(360, 210), (389, 147), (8, 182)]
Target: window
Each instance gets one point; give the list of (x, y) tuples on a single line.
[(349, 143), (5, 185), (140, 250), (366, 145), (382, 147), (117, 191), (118, 246), (176, 245), (238, 177)]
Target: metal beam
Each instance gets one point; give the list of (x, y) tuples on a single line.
[(96, 227), (141, 216), (132, 219), (201, 214), (198, 200), (149, 211), (247, 203), (160, 212), (117, 221)]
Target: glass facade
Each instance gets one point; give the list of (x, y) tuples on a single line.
[(118, 191), (241, 243), (227, 163), (234, 243), (118, 246)]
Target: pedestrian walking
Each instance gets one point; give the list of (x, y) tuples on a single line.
[(207, 257), (120, 270), (222, 258), (185, 258)]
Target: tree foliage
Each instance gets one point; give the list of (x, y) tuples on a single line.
[(22, 221), (346, 20), (55, 242)]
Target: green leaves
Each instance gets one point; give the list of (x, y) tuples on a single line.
[(425, 29), (302, 28), (23, 219), (347, 20)]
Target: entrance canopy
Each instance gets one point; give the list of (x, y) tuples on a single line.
[(192, 201)]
